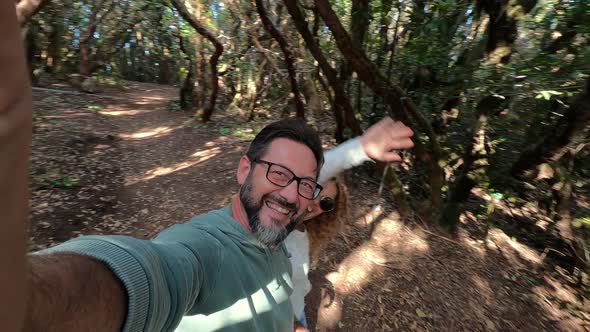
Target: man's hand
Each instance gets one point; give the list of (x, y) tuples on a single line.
[(383, 137)]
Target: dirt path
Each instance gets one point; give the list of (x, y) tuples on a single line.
[(141, 169), (128, 165), (170, 172)]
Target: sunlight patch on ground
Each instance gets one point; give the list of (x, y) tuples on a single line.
[(121, 113), (392, 244), (67, 115), (389, 241), (149, 133), (358, 269), (483, 288), (369, 217), (519, 252), (195, 159), (148, 100), (553, 296), (394, 236)]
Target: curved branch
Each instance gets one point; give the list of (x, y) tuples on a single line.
[(200, 28), (340, 97), (289, 61), (394, 96)]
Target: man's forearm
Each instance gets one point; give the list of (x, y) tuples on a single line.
[(15, 136), (70, 292)]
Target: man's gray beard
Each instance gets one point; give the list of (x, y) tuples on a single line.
[(272, 235)]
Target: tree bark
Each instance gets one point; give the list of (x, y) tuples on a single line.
[(474, 165), (200, 28), (569, 129), (341, 100), (253, 28), (386, 6), (359, 24), (86, 38), (393, 96), (570, 28), (502, 26), (289, 60), (501, 31), (186, 91), (255, 89)]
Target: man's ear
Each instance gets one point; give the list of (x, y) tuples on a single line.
[(243, 170)]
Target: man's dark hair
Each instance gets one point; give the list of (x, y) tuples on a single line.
[(294, 129)]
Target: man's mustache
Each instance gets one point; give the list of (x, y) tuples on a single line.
[(281, 201)]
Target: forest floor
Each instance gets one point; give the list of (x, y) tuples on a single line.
[(122, 162)]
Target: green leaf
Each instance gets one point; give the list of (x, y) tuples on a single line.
[(497, 196), (421, 313)]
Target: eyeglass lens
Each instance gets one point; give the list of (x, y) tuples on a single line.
[(282, 176)]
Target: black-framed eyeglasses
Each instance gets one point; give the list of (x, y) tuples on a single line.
[(282, 177), (327, 203)]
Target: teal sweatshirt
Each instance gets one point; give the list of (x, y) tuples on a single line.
[(209, 274)]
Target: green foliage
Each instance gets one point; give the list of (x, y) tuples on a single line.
[(174, 106), (55, 180), (438, 56), (581, 222)]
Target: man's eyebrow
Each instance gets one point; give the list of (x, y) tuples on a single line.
[(290, 170)]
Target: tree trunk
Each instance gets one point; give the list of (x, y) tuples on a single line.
[(341, 100), (393, 96), (393, 46), (186, 91), (474, 165), (253, 29), (386, 6), (569, 129), (56, 40), (255, 90), (359, 24), (570, 28), (502, 26), (501, 31), (87, 37), (289, 60), (200, 28)]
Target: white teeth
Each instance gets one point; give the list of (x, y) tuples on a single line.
[(277, 208)]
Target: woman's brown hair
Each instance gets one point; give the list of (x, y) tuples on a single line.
[(327, 226)]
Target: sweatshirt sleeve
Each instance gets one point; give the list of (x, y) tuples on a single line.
[(163, 278), (341, 158)]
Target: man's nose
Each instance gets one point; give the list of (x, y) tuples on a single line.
[(290, 192)]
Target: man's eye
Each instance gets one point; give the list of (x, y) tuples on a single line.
[(279, 173), (308, 187)]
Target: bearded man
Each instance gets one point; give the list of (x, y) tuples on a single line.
[(226, 270)]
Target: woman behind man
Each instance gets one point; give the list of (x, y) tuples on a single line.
[(327, 213), (324, 222)]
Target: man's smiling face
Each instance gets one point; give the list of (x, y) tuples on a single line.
[(273, 211)]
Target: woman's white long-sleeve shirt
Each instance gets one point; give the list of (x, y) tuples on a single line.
[(337, 160)]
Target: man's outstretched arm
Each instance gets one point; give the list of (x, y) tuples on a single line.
[(70, 292), (15, 137), (44, 293)]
